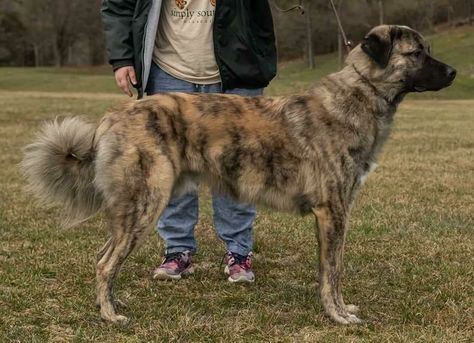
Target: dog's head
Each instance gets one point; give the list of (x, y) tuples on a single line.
[(400, 56)]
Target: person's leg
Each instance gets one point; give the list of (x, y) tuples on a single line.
[(233, 222), (178, 219)]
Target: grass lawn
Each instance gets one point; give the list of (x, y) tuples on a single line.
[(455, 47), (409, 257)]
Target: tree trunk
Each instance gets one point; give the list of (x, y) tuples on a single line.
[(471, 19), (57, 54), (68, 56), (467, 6), (309, 35), (62, 49), (340, 43), (340, 52), (448, 15), (381, 13), (469, 10), (36, 55)]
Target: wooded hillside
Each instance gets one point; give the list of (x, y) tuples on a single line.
[(58, 32)]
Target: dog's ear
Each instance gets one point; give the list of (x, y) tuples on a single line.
[(378, 44)]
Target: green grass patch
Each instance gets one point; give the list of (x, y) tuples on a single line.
[(455, 47), (63, 80)]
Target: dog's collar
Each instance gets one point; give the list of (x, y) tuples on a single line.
[(371, 85)]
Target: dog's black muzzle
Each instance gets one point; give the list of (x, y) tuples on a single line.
[(434, 75)]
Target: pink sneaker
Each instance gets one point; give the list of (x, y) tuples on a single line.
[(239, 268), (174, 266)]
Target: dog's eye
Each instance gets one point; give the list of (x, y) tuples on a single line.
[(416, 53)]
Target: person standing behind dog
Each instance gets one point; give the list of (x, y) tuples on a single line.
[(203, 46)]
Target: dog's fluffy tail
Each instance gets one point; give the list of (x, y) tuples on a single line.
[(59, 167)]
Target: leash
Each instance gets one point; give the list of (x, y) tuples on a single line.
[(347, 42), (296, 7), (371, 85)]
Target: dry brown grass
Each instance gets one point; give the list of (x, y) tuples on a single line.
[(409, 261)]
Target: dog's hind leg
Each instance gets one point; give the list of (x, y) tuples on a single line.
[(331, 223), (136, 206), (100, 255), (128, 232), (104, 249)]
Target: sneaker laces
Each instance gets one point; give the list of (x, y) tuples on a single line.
[(175, 256), (172, 256), (244, 261)]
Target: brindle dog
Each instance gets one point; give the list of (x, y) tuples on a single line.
[(305, 153)]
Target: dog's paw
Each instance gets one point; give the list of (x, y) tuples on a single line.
[(353, 309), (112, 317), (118, 319), (353, 319), (345, 318)]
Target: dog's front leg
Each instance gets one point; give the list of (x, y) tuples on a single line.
[(331, 223)]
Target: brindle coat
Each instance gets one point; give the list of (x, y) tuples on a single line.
[(304, 153)]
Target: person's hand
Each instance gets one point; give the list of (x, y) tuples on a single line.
[(123, 77)]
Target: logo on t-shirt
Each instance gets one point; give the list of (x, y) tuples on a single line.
[(181, 4), (193, 11)]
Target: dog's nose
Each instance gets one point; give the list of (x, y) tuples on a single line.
[(451, 72)]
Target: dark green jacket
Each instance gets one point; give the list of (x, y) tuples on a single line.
[(244, 40)]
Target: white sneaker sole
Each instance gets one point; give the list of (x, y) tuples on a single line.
[(163, 275), (241, 279)]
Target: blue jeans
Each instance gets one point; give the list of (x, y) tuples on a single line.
[(233, 221)]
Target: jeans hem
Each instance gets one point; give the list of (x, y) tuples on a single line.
[(180, 249), (238, 250)]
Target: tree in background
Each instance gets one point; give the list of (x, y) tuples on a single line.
[(62, 32), (38, 38), (53, 32), (358, 16), (68, 21), (11, 49)]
